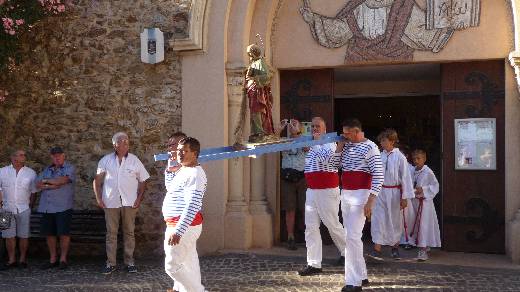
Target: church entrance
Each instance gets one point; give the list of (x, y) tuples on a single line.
[(416, 119), (406, 98), (424, 103)]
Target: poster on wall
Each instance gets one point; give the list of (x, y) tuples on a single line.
[(475, 144)]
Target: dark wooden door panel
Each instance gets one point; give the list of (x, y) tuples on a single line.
[(473, 200), (307, 93)]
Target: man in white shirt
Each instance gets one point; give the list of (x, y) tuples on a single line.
[(17, 184), (119, 186)]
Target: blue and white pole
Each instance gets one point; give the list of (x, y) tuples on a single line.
[(252, 150)]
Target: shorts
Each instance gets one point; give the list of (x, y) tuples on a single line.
[(293, 195), (56, 223), (19, 225)]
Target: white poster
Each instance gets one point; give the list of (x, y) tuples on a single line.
[(475, 144)]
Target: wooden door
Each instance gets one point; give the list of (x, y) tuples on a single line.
[(307, 93), (473, 200)]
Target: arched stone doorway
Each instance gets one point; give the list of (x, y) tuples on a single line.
[(244, 187)]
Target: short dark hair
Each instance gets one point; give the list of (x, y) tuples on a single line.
[(193, 143), (352, 123), (419, 152), (178, 134)]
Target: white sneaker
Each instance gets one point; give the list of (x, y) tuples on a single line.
[(422, 256)]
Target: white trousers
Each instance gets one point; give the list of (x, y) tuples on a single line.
[(322, 205), (354, 221), (182, 261)]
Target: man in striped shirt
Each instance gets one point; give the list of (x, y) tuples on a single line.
[(362, 179), (322, 200), (185, 188)]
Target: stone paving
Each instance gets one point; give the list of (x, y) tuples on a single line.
[(250, 272)]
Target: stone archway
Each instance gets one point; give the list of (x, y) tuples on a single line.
[(247, 20), (514, 56), (513, 220)]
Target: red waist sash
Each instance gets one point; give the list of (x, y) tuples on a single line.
[(172, 221), (322, 180), (356, 180)]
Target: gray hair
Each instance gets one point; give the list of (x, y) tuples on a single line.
[(118, 136)]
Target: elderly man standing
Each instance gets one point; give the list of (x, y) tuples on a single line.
[(17, 184), (119, 186), (57, 199)]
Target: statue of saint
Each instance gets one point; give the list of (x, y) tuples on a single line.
[(258, 90)]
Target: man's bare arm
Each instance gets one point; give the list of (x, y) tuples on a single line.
[(141, 187), (96, 184)]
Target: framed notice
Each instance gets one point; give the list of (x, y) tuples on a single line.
[(475, 144)]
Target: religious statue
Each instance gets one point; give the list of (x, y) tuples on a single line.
[(257, 87), (391, 30)]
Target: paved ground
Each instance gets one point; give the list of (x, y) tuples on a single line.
[(254, 272)]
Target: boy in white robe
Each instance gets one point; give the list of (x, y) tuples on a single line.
[(387, 217), (425, 230)]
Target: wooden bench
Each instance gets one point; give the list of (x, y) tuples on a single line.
[(87, 226)]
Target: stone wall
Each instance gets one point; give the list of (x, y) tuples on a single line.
[(82, 80)]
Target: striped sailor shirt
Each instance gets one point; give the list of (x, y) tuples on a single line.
[(362, 171), (182, 204), (320, 172)]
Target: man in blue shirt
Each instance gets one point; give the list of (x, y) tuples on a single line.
[(56, 202)]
